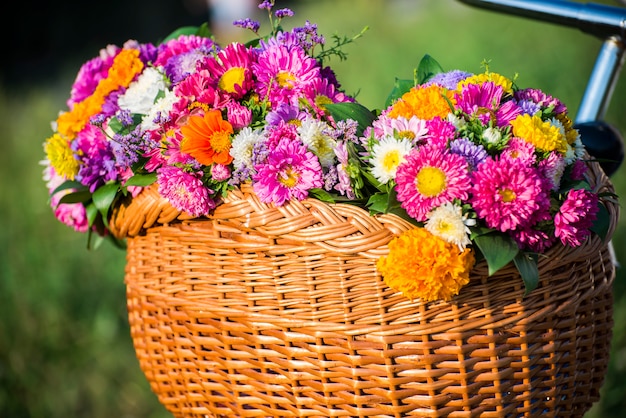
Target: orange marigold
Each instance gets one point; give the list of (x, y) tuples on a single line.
[(422, 265), (207, 138), (425, 102)]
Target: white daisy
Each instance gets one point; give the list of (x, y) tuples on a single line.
[(448, 222), (491, 135), (387, 155)]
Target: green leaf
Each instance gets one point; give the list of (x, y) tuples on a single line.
[(69, 184), (81, 196), (352, 110), (141, 180), (204, 31), (378, 203), (602, 223), (104, 196), (527, 266), (427, 68), (399, 88), (92, 214), (322, 195), (498, 249), (184, 30)]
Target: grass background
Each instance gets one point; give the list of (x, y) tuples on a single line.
[(65, 349)]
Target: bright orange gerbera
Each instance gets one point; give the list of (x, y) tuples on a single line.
[(208, 138)]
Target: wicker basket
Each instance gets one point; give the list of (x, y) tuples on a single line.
[(261, 311)]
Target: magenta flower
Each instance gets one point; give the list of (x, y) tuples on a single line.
[(90, 74), (185, 191), (532, 239), (484, 101), (540, 98), (508, 194), (575, 217), (283, 74), (231, 70), (289, 172), (520, 149), (429, 177)]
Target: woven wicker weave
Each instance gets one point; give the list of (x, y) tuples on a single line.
[(279, 312)]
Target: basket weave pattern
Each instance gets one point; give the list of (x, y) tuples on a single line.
[(261, 311)]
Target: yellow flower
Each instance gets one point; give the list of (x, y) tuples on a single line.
[(425, 102), (544, 135), (422, 265), (61, 156), (497, 79)]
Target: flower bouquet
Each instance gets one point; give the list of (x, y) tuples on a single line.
[(292, 253)]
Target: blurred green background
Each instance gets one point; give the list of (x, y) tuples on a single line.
[(65, 349)]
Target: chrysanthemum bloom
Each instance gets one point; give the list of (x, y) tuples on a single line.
[(289, 172), (197, 89), (141, 94), (422, 265), (386, 156), (231, 69), (425, 102), (519, 149), (184, 191), (430, 177), (59, 152), (182, 45), (285, 112), (544, 135), (243, 144), (283, 74), (98, 165), (448, 222), (314, 134), (207, 138), (440, 132), (484, 101), (508, 194), (473, 153), (449, 79), (576, 215)]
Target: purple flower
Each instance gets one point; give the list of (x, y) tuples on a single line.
[(449, 79), (248, 23), (474, 154)]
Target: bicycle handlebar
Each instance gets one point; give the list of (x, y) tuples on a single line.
[(596, 19)]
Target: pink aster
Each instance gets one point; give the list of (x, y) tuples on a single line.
[(197, 88), (440, 132), (484, 101), (231, 69), (575, 217), (520, 149), (185, 191), (540, 98), (533, 239), (429, 177), (182, 45), (289, 172), (73, 215), (283, 74), (508, 194), (413, 129), (553, 168)]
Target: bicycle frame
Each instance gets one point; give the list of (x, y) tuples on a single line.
[(605, 22)]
